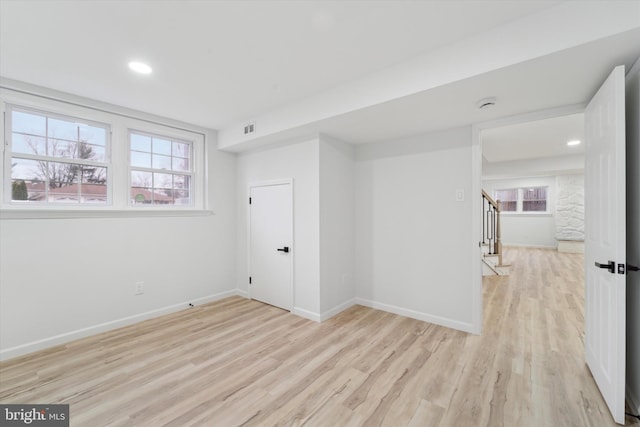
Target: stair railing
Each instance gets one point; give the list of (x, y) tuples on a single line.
[(491, 225)]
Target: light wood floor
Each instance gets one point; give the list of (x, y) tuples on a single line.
[(238, 362)]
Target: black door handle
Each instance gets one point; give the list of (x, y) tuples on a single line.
[(285, 249), (611, 266), (632, 268)]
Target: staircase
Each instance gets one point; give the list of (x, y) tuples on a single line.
[(491, 244)]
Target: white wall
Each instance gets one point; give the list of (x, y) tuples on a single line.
[(299, 161), (61, 279), (633, 236), (337, 237), (414, 248), (537, 230)]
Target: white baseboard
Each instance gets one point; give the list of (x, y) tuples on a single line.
[(66, 337), (311, 315), (337, 309), (425, 317), (571, 246), (523, 245), (632, 400), (30, 347)]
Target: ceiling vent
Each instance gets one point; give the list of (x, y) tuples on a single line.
[(249, 128)]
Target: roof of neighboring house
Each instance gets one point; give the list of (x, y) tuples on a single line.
[(93, 190)]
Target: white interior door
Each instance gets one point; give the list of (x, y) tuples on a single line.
[(605, 256), (271, 231)]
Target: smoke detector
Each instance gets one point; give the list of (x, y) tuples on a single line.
[(486, 103)]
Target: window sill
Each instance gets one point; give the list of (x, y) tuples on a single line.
[(527, 214), (8, 214)]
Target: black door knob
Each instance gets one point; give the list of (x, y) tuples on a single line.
[(285, 249)]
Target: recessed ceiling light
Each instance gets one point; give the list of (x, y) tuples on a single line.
[(574, 142), (140, 67), (486, 103)]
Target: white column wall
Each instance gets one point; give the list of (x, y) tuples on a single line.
[(413, 251), (337, 216), (299, 161)]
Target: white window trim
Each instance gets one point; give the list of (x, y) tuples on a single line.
[(191, 173), (6, 198), (120, 120), (13, 214), (520, 200)]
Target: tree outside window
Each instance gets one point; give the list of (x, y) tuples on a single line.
[(57, 159)]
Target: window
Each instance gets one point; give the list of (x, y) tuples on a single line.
[(57, 159), (66, 160), (160, 170), (508, 199), (523, 200), (534, 199)]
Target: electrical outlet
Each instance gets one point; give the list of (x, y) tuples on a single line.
[(139, 288)]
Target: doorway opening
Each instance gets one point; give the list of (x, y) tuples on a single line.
[(535, 170)]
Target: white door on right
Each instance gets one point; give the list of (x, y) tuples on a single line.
[(605, 239)]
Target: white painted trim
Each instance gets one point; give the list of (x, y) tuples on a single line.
[(632, 400), (107, 326), (476, 231), (532, 116), (119, 120), (527, 214), (267, 183), (97, 213), (425, 317), (523, 245), (337, 309), (311, 315), (476, 185), (243, 294)]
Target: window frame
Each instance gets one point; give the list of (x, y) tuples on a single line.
[(495, 197), (190, 173), (9, 154), (120, 120), (520, 200), (526, 190)]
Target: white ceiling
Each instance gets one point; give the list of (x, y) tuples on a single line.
[(217, 63), (569, 77), (535, 139)]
